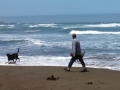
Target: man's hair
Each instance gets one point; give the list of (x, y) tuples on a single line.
[(74, 35)]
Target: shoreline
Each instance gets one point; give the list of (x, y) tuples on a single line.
[(13, 64), (35, 78)]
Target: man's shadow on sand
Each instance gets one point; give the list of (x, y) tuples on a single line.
[(79, 71)]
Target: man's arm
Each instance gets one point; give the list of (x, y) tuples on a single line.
[(73, 47)]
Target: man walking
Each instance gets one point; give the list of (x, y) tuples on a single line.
[(76, 54)]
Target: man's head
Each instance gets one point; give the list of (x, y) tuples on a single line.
[(73, 35)]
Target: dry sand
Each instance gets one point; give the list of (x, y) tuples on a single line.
[(34, 78)]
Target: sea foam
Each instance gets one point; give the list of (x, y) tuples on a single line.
[(92, 32), (104, 25)]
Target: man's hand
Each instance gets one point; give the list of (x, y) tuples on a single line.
[(73, 54)]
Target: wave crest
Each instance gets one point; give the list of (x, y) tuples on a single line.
[(92, 32), (104, 25), (42, 25)]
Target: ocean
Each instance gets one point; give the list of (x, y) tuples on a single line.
[(49, 43)]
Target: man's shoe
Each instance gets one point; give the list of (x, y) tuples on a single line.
[(66, 69), (84, 70)]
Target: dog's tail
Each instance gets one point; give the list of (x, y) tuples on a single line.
[(18, 50)]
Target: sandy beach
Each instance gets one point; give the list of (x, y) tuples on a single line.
[(35, 78)]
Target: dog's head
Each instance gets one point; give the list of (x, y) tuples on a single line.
[(7, 54)]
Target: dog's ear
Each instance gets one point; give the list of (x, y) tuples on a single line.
[(7, 54)]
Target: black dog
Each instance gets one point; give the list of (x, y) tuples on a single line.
[(13, 56)]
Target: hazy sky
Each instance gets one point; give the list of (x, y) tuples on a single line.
[(57, 7)]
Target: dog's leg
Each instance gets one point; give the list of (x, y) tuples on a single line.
[(19, 59)]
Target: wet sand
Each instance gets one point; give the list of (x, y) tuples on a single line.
[(39, 78)]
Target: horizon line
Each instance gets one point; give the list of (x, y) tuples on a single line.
[(60, 15)]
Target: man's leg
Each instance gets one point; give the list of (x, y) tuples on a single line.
[(72, 60), (83, 63)]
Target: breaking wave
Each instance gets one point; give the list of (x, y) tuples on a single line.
[(104, 25), (42, 25), (92, 32)]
